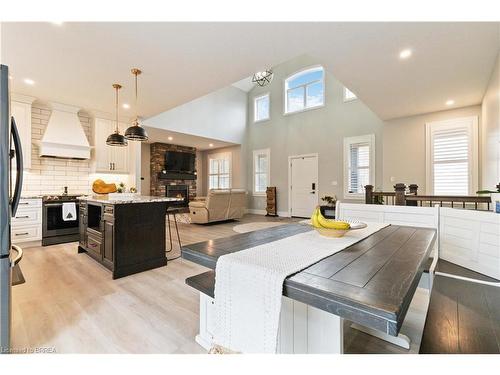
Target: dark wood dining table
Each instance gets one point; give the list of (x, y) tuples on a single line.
[(371, 282)]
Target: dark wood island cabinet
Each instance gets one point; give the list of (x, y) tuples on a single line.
[(126, 236)]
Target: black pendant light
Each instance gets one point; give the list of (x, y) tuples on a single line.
[(136, 132), (116, 139)]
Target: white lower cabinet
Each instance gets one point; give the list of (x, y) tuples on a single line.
[(26, 226)]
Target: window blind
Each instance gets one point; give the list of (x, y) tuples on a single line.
[(359, 167), (450, 155)]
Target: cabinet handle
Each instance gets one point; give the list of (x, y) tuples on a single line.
[(109, 166), (113, 166), (24, 203), (22, 234), (22, 217)]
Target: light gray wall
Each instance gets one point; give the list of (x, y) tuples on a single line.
[(219, 115), (491, 131), (404, 146), (318, 130)]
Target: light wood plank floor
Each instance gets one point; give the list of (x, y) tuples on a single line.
[(71, 304)]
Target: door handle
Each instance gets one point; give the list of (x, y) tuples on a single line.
[(19, 166), (18, 257), (313, 188)]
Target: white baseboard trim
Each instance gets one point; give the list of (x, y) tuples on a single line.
[(255, 211), (264, 212)]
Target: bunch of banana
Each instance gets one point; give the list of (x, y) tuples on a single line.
[(319, 221)]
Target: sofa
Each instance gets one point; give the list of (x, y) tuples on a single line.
[(219, 205)]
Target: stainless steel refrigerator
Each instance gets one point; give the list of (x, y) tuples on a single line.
[(11, 179)]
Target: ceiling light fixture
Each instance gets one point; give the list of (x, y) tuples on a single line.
[(263, 78), (116, 139), (450, 102), (170, 138), (125, 106), (211, 145), (404, 54), (57, 23), (29, 81), (135, 132)]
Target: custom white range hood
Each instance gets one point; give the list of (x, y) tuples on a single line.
[(64, 136)]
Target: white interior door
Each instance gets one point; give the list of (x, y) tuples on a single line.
[(303, 185)]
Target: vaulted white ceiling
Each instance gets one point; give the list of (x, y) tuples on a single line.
[(77, 63)]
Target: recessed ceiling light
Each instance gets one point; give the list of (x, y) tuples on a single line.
[(404, 54), (29, 81), (126, 106), (170, 138), (57, 23), (211, 145), (450, 102)]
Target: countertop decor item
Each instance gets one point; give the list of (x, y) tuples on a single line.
[(120, 188), (100, 187), (116, 139), (136, 132)]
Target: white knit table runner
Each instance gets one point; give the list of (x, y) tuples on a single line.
[(249, 286)]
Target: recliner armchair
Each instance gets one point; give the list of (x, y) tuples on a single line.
[(220, 205)]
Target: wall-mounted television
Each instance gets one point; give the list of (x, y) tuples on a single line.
[(180, 162)]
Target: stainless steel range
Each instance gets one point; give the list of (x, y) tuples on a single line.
[(56, 227)]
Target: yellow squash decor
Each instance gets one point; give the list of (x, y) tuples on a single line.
[(100, 187)]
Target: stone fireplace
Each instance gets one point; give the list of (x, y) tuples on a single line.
[(161, 184), (178, 191)]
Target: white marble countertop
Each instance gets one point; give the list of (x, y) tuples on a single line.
[(127, 199)]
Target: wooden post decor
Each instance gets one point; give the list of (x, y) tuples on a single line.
[(369, 194), (271, 207), (413, 191), (399, 199)]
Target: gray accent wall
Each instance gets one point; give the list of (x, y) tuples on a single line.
[(218, 115), (319, 130)]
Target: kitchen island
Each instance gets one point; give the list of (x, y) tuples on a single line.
[(126, 235)]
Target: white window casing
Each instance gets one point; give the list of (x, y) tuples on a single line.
[(452, 156), (359, 165), (262, 107), (220, 171), (261, 171), (297, 95)]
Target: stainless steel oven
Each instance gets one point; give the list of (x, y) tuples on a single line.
[(54, 229)]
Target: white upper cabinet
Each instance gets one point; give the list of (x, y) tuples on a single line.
[(20, 107), (109, 159)]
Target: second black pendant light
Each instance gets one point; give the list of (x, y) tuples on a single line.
[(136, 132)]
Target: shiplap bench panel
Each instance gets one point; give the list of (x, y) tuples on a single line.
[(471, 239), (426, 217)]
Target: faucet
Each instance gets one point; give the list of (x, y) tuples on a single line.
[(65, 190)]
